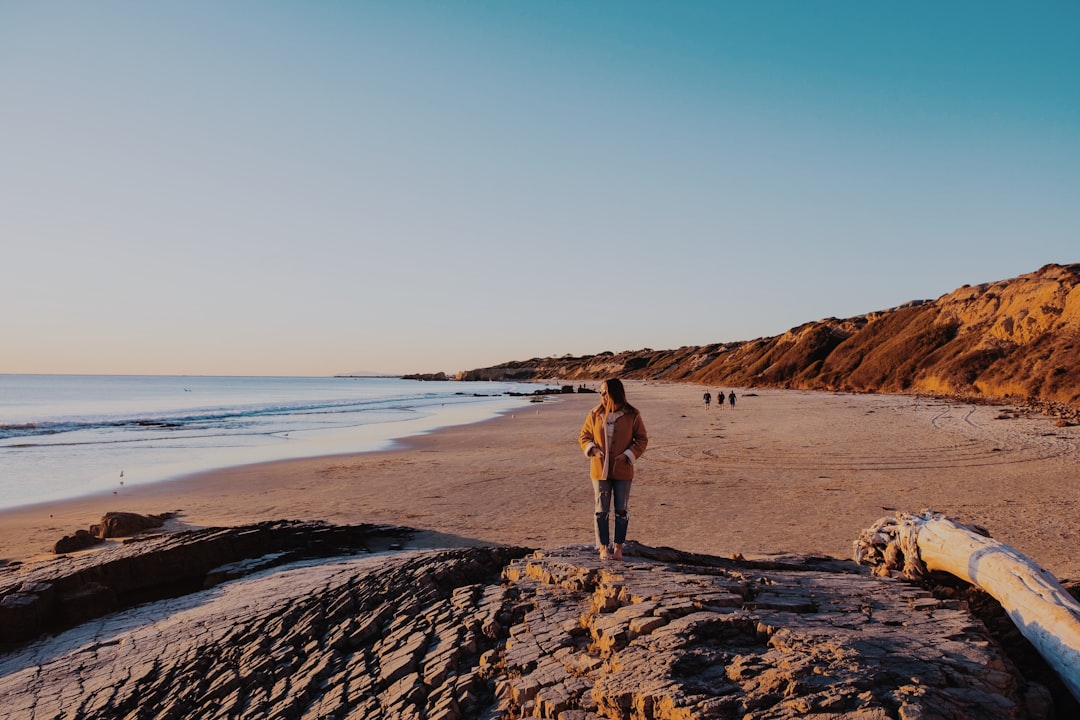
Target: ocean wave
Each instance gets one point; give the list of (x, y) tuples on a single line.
[(224, 419), (70, 436)]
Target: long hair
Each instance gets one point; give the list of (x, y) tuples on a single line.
[(618, 393)]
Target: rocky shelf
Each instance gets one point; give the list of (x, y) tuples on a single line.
[(304, 620)]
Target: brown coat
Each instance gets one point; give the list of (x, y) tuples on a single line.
[(628, 443)]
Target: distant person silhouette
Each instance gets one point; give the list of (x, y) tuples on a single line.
[(731, 399), (708, 399)]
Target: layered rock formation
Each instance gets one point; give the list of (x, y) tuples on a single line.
[(498, 632), (1016, 340), (74, 588)]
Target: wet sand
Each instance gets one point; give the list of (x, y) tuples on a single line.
[(785, 472)]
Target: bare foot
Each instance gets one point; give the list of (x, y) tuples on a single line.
[(618, 552), (604, 555)]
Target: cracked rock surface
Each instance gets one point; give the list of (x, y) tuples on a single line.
[(501, 632)]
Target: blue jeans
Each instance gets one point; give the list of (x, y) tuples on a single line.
[(602, 492)]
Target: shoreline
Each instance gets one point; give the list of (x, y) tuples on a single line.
[(130, 443), (784, 472), (204, 498)]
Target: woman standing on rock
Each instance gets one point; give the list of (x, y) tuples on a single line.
[(613, 437)]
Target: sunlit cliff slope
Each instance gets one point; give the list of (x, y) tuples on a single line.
[(1014, 340)]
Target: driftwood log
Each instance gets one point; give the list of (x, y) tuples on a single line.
[(1043, 611)]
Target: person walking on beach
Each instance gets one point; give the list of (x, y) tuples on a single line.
[(731, 399), (708, 399), (720, 399), (613, 438)]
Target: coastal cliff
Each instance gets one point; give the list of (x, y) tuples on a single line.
[(1015, 340), (306, 620)]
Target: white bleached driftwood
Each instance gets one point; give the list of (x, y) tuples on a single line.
[(1044, 612)]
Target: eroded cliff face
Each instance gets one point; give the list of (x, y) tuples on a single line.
[(1015, 340)]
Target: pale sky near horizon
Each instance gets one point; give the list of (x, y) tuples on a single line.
[(313, 188)]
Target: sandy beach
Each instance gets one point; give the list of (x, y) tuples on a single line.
[(784, 472)]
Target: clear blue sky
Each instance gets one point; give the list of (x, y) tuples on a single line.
[(311, 188)]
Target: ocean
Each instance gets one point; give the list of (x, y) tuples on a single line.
[(65, 436)]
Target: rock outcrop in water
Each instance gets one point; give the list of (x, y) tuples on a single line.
[(293, 629), (1015, 340)]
